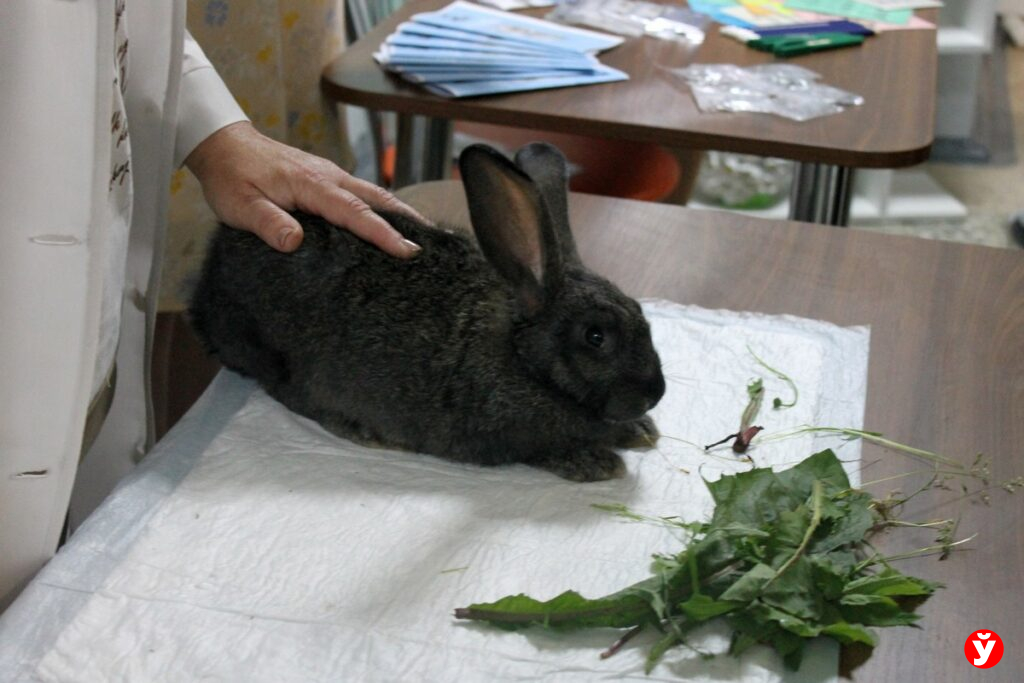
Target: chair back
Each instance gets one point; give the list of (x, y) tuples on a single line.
[(363, 15)]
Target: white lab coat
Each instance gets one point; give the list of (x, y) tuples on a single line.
[(55, 111)]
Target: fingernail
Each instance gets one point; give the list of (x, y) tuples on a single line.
[(426, 221), (412, 249), (282, 237)]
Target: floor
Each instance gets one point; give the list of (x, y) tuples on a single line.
[(992, 193)]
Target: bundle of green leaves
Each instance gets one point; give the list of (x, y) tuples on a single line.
[(784, 559)]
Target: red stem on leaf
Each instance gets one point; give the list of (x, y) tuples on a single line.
[(744, 438), (626, 637)]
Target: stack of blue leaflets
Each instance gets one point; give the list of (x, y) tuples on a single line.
[(465, 50)]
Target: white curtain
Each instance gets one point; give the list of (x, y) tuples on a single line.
[(270, 53)]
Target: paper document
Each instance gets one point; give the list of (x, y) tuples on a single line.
[(903, 4), (853, 9)]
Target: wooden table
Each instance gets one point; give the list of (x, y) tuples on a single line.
[(894, 71), (946, 373)]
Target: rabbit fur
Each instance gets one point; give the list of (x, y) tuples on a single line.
[(507, 350)]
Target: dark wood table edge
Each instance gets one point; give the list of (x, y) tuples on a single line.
[(733, 219), (469, 110)]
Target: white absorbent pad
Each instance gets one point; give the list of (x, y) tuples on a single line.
[(288, 554)]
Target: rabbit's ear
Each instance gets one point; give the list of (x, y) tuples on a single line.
[(547, 167), (512, 225)]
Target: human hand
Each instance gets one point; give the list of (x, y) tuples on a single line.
[(252, 181)]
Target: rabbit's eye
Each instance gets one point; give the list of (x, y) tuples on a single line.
[(594, 336)]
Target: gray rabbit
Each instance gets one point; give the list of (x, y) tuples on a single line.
[(506, 352)]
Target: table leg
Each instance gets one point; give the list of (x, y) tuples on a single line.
[(376, 123), (405, 151), (423, 149), (821, 194)]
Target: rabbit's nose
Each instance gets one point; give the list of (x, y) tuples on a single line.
[(655, 389)]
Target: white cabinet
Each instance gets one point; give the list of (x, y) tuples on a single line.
[(964, 38), (966, 29)]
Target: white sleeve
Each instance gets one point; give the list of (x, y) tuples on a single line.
[(54, 176), (205, 105)]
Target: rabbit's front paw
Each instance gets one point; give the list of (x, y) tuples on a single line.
[(640, 434), (589, 464)]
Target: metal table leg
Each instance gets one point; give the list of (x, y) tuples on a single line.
[(821, 194), (423, 149)]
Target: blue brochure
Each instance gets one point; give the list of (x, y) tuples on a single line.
[(497, 47), (465, 50), (414, 55), (465, 16), (475, 59), (411, 29), (486, 71), (495, 87), (448, 77)]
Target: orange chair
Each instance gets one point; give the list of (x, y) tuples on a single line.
[(613, 168)]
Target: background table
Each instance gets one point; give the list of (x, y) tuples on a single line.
[(894, 71), (946, 373)]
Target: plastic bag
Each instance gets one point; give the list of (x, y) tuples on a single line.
[(742, 181), (783, 89)]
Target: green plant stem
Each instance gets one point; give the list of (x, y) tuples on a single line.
[(753, 407), (658, 650), (731, 461), (675, 634), (920, 552), (688, 443), (958, 473), (876, 558), (875, 439), (781, 375), (926, 487), (816, 496), (930, 550), (970, 494), (916, 525)]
